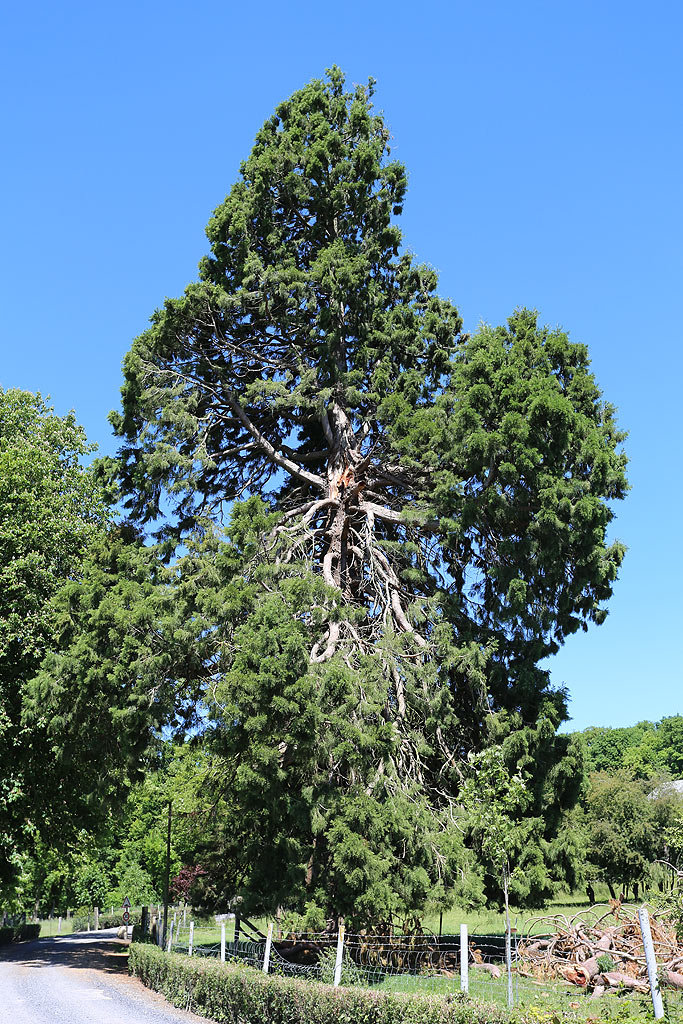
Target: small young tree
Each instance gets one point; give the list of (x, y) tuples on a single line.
[(494, 800)]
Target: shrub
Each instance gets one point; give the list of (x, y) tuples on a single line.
[(313, 919), (82, 919), (19, 933), (140, 935), (233, 992)]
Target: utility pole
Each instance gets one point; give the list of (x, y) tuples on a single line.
[(168, 874)]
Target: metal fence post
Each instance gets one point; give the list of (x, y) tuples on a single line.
[(516, 955), (340, 954), (222, 942), (508, 966), (169, 945), (650, 959), (266, 955), (464, 960), (191, 942)]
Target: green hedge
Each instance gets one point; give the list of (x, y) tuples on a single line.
[(19, 933), (236, 994), (143, 936)]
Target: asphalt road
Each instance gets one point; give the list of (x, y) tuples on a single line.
[(78, 979)]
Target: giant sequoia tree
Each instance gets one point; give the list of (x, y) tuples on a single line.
[(431, 521)]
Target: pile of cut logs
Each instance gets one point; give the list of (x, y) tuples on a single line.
[(599, 949)]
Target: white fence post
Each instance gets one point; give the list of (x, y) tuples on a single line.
[(340, 954), (266, 954), (169, 944), (464, 960), (191, 942), (650, 959), (59, 926), (222, 942)]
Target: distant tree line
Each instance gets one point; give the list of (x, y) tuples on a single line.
[(643, 750)]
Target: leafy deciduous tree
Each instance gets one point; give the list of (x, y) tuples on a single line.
[(50, 511), (626, 827), (494, 802)]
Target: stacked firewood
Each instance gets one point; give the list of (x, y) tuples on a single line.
[(599, 949)]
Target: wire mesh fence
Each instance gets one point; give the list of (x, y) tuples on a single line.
[(478, 965), (429, 964)]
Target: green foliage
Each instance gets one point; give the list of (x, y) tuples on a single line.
[(19, 933), (226, 993), (43, 880), (132, 881), (625, 828), (526, 419), (669, 903), (140, 832), (50, 512), (508, 838), (673, 837), (126, 855), (145, 937), (123, 667), (494, 802), (417, 520), (668, 895), (281, 830), (311, 920), (644, 750), (92, 884), (605, 962)]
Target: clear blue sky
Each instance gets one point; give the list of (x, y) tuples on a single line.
[(544, 147)]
